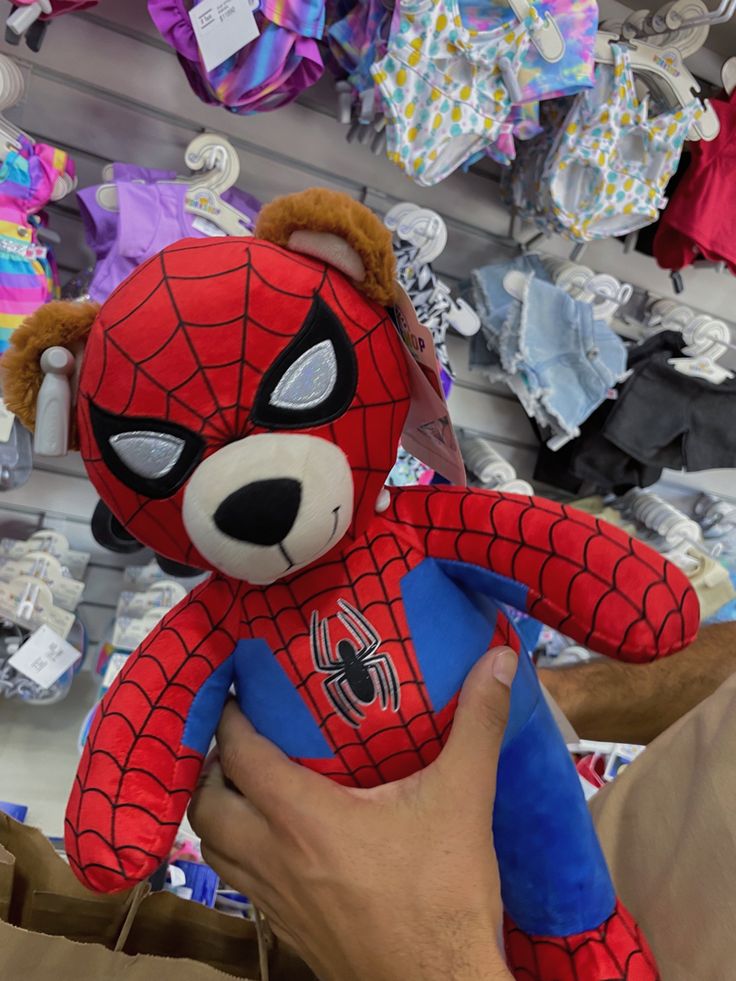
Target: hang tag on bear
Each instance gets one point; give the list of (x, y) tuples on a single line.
[(428, 432)]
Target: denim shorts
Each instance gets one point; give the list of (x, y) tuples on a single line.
[(562, 361), (490, 299)]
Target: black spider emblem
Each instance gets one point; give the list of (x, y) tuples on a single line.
[(358, 675)]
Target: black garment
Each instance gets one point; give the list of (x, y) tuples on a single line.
[(667, 419), (592, 457), (645, 238)]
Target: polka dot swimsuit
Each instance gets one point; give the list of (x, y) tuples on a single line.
[(443, 86), (612, 162)]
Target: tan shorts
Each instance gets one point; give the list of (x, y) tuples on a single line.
[(668, 827)]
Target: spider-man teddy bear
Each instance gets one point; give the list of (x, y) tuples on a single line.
[(238, 407)]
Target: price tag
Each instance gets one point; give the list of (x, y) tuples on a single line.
[(428, 432), (222, 28), (208, 228), (7, 418), (44, 657)]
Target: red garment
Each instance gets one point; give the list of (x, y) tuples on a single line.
[(700, 218)]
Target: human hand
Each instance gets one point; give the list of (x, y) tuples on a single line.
[(396, 883)]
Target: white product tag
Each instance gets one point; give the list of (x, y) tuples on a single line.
[(165, 593), (44, 657), (222, 28), (208, 228), (7, 418), (129, 632)]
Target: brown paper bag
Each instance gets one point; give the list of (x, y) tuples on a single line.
[(48, 898), (165, 925), (26, 956), (7, 871), (44, 897)]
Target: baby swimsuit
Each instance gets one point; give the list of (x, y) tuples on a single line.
[(577, 21), (607, 173), (443, 88), (59, 7), (269, 72), (358, 40)]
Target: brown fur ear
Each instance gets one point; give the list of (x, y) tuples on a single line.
[(320, 210), (65, 324)]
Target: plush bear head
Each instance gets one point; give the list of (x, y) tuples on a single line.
[(240, 400)]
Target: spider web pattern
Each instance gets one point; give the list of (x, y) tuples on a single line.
[(586, 578), (187, 339), (388, 745), (614, 951), (135, 778)]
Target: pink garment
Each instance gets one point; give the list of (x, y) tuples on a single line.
[(27, 179)]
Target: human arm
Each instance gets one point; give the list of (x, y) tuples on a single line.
[(397, 883)]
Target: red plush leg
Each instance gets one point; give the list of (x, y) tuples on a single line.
[(135, 778), (615, 951)]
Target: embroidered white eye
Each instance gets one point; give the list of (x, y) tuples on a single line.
[(309, 380), (148, 454)]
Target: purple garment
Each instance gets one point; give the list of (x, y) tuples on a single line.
[(132, 172), (101, 225), (149, 217)]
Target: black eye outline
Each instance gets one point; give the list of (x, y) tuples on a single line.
[(321, 324), (106, 425)]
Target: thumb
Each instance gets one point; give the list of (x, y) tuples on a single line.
[(469, 761)]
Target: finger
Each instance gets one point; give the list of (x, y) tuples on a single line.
[(219, 814), (469, 760), (272, 782)]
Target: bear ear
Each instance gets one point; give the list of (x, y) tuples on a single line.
[(45, 345), (338, 230)]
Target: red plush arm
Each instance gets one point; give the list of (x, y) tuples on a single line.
[(136, 777), (585, 577)]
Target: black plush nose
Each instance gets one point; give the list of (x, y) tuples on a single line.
[(262, 513)]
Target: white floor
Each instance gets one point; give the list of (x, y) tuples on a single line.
[(39, 755)]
